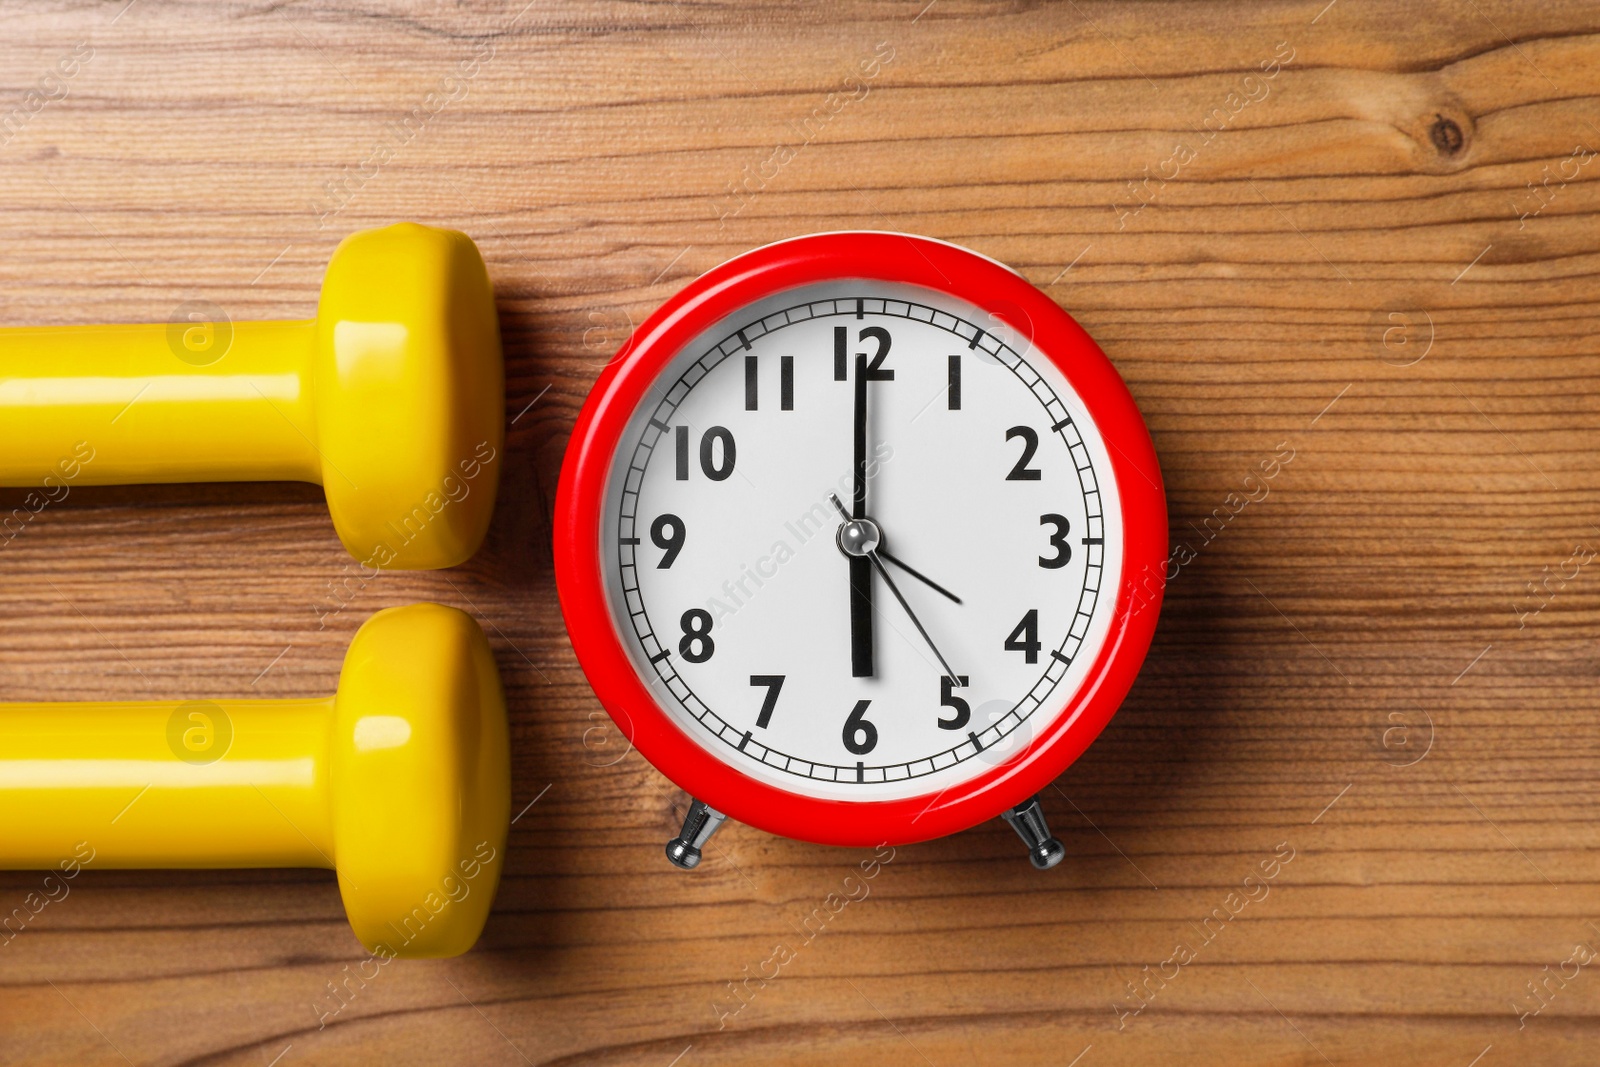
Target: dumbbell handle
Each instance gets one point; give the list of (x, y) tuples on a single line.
[(147, 415), (109, 775)]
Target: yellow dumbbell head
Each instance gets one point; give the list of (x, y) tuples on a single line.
[(421, 782), (410, 396)]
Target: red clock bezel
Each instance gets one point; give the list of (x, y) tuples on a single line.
[(580, 505)]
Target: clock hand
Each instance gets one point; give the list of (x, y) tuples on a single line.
[(918, 575), (859, 501), (859, 538), (949, 671), (861, 665)]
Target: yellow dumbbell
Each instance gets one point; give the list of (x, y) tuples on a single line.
[(392, 398), (401, 783)]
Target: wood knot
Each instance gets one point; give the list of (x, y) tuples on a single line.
[(1442, 134), (1446, 135)]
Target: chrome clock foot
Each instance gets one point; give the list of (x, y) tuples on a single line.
[(1027, 819), (698, 826)]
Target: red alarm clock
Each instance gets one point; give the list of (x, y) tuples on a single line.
[(860, 539)]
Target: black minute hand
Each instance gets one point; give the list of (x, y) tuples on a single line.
[(860, 567)]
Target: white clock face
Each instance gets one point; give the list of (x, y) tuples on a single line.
[(725, 547)]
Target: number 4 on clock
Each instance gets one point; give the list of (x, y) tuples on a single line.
[(1025, 638)]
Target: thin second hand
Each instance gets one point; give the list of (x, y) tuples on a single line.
[(883, 572)]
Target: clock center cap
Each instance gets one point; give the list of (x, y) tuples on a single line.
[(859, 537)]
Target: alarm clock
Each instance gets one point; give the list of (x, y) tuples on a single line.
[(860, 539)]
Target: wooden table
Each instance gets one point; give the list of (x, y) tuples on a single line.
[(1359, 237)]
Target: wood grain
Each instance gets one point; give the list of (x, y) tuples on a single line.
[(1345, 263)]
